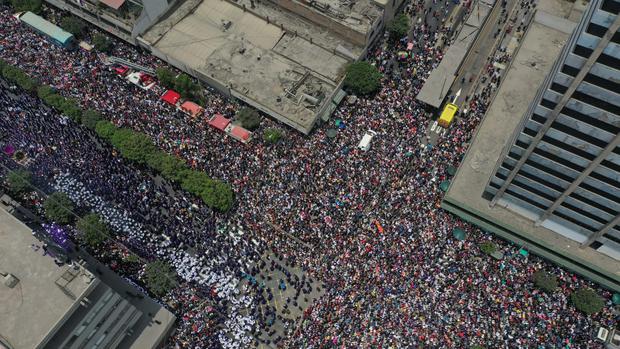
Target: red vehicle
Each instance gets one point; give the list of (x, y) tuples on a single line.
[(146, 79), (121, 70)]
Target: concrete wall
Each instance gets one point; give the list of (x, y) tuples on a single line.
[(153, 11), (390, 8), (323, 20), (99, 18)]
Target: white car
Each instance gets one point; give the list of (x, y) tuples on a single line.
[(365, 142)]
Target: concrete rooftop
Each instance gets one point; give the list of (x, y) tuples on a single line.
[(541, 45), (320, 35), (258, 61), (358, 15), (36, 304)]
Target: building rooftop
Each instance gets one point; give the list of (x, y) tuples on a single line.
[(37, 305), (539, 50), (281, 74), (358, 15), (320, 35)]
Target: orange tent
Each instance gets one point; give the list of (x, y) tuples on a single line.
[(240, 133), (219, 122), (192, 108)]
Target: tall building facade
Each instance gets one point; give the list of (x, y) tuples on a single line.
[(562, 165)]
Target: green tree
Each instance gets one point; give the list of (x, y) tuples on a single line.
[(105, 130), (218, 195), (20, 78), (134, 146), (166, 77), (272, 135), (169, 166), (94, 230), (71, 108), (18, 182), (58, 208), (73, 25), (102, 43), (488, 247), (587, 300), (248, 118), (186, 86), (362, 78), (50, 97), (27, 5), (195, 182), (160, 278), (90, 118), (44, 92), (399, 26), (545, 281)]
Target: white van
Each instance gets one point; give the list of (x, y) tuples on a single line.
[(365, 142)]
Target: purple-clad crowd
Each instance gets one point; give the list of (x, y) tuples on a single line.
[(366, 224)]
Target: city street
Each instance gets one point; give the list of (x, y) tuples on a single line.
[(490, 45)]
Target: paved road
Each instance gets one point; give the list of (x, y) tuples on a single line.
[(483, 48), (478, 57)]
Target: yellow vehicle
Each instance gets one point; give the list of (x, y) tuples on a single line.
[(447, 115)]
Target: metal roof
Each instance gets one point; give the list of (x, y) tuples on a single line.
[(40, 24)]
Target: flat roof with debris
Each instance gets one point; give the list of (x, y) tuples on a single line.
[(359, 15), (36, 305), (281, 74), (291, 22), (539, 50)]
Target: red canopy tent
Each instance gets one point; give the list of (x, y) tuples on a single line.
[(121, 70), (192, 108), (171, 97), (240, 133), (219, 122)]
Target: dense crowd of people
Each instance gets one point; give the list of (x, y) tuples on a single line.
[(394, 276)]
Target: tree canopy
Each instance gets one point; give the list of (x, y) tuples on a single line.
[(272, 135), (134, 146), (18, 182), (94, 230), (362, 78), (185, 86), (545, 281), (399, 26), (18, 77), (27, 5), (166, 77), (248, 118), (90, 118), (488, 247), (58, 208), (160, 278), (587, 300), (73, 25), (102, 43)]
